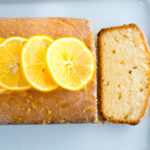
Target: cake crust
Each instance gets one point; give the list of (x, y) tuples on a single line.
[(100, 75), (59, 106)]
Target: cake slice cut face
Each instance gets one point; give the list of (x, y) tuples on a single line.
[(123, 74), (60, 105)]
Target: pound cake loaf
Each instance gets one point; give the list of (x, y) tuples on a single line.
[(58, 106), (124, 74)]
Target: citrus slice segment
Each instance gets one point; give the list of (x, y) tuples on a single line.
[(34, 63), (11, 76), (71, 63)]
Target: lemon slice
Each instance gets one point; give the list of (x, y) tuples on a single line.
[(71, 63), (34, 63), (11, 76)]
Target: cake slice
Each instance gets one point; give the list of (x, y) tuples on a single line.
[(59, 106), (124, 74)]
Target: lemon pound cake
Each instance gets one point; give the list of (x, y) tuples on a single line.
[(60, 105), (123, 74)]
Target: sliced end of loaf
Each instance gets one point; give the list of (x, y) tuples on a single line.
[(124, 74)]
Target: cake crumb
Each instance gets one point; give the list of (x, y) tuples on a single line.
[(33, 23), (90, 109), (19, 118), (49, 120), (28, 110), (22, 34), (44, 122), (12, 33), (4, 104), (62, 121), (27, 100)]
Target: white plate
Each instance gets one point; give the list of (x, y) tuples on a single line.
[(80, 136)]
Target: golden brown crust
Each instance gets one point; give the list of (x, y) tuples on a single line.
[(100, 75), (60, 105)]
